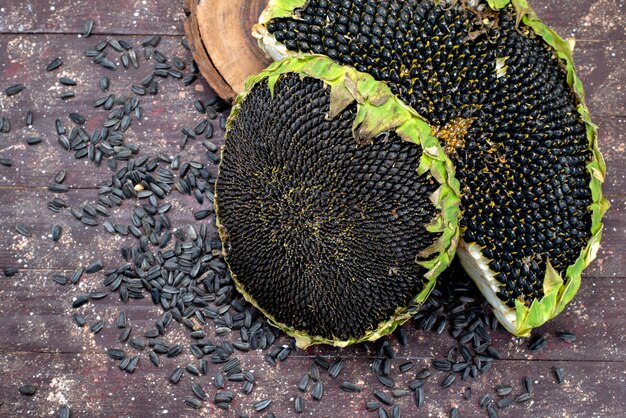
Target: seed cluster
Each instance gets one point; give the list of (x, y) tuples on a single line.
[(322, 233), (522, 159)]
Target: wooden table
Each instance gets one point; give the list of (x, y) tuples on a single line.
[(39, 343)]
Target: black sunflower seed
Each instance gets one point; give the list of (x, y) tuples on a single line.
[(528, 384), (198, 391), (558, 374), (416, 383), (64, 411), (10, 271), (399, 393), (194, 370), (14, 89), (448, 380), (7, 162), (567, 336), (454, 412), (28, 390), (261, 405), (94, 267), (104, 86), (304, 382), (384, 398), (67, 95), (442, 365), (485, 400), (87, 28), (335, 368), (79, 320), (97, 327), (115, 354), (298, 404), (56, 63), (491, 412), (23, 230), (522, 398), (66, 81), (419, 397), (154, 358), (537, 344), (55, 187), (193, 403), (503, 390), (176, 375), (349, 387), (386, 381), (505, 402), (318, 390), (132, 364), (372, 406), (80, 301), (201, 214), (29, 118), (60, 279), (75, 277), (467, 394)]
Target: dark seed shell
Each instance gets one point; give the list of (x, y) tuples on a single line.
[(80, 301), (23, 230), (193, 403), (467, 394), (198, 391), (304, 382), (87, 28), (93, 267), (491, 412), (505, 402), (10, 271), (176, 375), (384, 398), (56, 63), (318, 390), (97, 327), (537, 344), (28, 390), (448, 380), (567, 336), (528, 384), (64, 411), (558, 374), (261, 405), (419, 397), (14, 89), (298, 405), (350, 387)]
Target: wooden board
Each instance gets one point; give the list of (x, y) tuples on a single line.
[(219, 31), (40, 344)]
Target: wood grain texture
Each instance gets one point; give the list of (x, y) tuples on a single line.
[(591, 389), (221, 42), (39, 343), (594, 316)]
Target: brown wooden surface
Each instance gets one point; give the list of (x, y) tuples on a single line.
[(221, 43), (39, 344)]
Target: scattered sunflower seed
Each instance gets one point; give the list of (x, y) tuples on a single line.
[(56, 63), (28, 390), (14, 89)]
